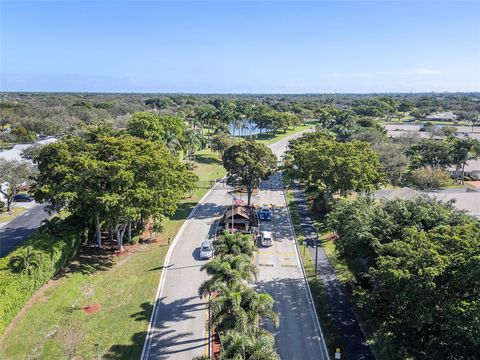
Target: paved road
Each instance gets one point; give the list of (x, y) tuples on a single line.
[(178, 331), (280, 274), (16, 231), (354, 343)]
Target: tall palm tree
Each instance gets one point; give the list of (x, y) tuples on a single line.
[(172, 142), (248, 346), (192, 141), (234, 244), (227, 113), (230, 270), (241, 308)]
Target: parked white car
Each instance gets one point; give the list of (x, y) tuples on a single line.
[(206, 250), (266, 238)]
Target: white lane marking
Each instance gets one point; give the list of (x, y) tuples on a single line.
[(146, 344)]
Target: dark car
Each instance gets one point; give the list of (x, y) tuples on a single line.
[(22, 198), (265, 213)]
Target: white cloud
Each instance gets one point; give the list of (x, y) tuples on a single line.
[(359, 75), (422, 71), (381, 74)]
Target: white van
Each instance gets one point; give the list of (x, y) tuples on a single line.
[(266, 238)]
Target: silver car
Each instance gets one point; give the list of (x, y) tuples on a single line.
[(206, 250), (266, 238)]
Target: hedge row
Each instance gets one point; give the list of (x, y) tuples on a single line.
[(56, 243)]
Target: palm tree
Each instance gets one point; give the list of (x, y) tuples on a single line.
[(26, 261), (228, 115), (230, 270), (234, 244), (192, 141), (258, 306), (206, 115), (241, 308), (249, 346), (172, 142), (461, 151)]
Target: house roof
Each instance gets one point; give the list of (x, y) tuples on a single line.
[(238, 211), (472, 165), (402, 193), (468, 201)]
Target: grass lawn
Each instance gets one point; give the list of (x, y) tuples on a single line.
[(262, 138), (407, 120), (123, 286), (54, 324), (8, 216)]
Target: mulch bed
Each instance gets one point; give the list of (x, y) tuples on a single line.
[(216, 346), (91, 309)]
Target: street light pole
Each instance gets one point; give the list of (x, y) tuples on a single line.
[(316, 247)]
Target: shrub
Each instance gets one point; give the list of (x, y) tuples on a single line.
[(427, 178), (52, 250)]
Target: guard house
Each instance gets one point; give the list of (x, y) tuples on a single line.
[(239, 218)]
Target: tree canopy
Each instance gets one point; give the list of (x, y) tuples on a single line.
[(111, 179), (14, 173), (153, 126), (420, 281), (333, 166), (247, 163)]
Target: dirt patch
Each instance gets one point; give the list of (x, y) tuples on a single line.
[(475, 183), (91, 309)]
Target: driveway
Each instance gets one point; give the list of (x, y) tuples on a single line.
[(19, 229)]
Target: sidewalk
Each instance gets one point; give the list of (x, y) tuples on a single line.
[(355, 345)]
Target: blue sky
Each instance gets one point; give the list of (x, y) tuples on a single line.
[(240, 47)]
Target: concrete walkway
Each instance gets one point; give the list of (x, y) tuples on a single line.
[(354, 343)]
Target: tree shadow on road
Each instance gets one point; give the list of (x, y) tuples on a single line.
[(164, 338)]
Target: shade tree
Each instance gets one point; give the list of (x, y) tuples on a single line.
[(247, 163)]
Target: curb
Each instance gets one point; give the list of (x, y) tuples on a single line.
[(310, 297), (146, 349)]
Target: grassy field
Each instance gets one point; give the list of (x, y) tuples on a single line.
[(124, 287), (54, 325), (8, 216), (408, 120), (267, 140)]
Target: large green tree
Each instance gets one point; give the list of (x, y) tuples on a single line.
[(153, 126), (329, 166), (247, 163), (419, 281), (111, 180), (14, 174)]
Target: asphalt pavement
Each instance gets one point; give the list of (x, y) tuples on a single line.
[(19, 229), (280, 274), (178, 326), (353, 344)]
